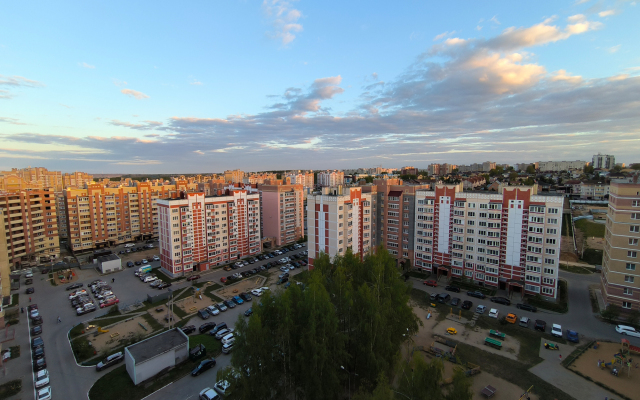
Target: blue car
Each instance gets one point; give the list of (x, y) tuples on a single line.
[(237, 300), (572, 336)]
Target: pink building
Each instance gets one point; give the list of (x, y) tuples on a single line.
[(282, 212)]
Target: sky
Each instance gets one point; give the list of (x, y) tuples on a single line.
[(204, 86)]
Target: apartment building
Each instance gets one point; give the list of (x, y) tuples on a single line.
[(509, 240), (620, 281), (198, 231), (338, 219), (61, 216), (554, 166), (5, 270), (306, 179), (603, 161), (30, 226), (331, 178), (258, 179), (77, 179), (35, 178), (477, 167), (394, 216), (234, 176), (409, 171), (282, 208)]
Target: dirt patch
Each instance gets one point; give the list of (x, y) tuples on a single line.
[(424, 337), (475, 337), (64, 276), (125, 330), (245, 285), (587, 364), (138, 255), (595, 243), (506, 390)]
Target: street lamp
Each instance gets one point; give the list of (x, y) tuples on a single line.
[(349, 378)]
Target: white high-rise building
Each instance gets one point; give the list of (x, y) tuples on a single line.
[(603, 161), (331, 178)]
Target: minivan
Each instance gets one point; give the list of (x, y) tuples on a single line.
[(443, 298), (222, 333), (228, 338)]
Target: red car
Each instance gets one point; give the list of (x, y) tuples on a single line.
[(193, 277), (109, 303), (431, 282), (223, 279)]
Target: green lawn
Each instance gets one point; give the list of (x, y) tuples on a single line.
[(592, 256), (152, 322), (591, 229), (567, 230), (577, 270), (109, 320), (214, 346)]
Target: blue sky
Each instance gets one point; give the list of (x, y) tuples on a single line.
[(204, 86)]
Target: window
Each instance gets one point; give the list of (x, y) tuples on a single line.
[(551, 241), (626, 304), (628, 278), (633, 242), (547, 290), (537, 209), (471, 214), (549, 271), (470, 232), (635, 203), (553, 221), (485, 206), (550, 251), (627, 291), (553, 211), (635, 215), (631, 267), (470, 240), (550, 261), (551, 231), (634, 228), (632, 254)]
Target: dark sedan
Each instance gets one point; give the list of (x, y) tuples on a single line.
[(207, 327), (540, 325), (188, 329), (39, 364), (229, 304), (36, 321), (248, 313), (526, 307), (501, 300), (452, 288), (38, 352), (455, 301), (245, 296), (36, 330), (466, 305), (476, 294), (203, 366), (30, 290)]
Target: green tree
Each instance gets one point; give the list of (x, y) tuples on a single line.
[(633, 317), (611, 313), (559, 181), (421, 380), (460, 388), (454, 171), (617, 168), (635, 166), (531, 169), (588, 169), (529, 181), (513, 176)]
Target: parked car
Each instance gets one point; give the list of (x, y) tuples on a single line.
[(30, 290), (248, 312), (511, 318), (221, 326), (156, 258), (223, 279), (39, 364), (193, 277), (431, 283), (455, 301), (42, 378), (38, 352), (540, 325), (44, 393), (163, 285), (493, 313), (475, 293), (524, 322), (109, 303), (434, 296), (466, 305), (203, 366), (256, 292), (222, 387), (113, 359), (188, 329), (74, 286), (36, 330), (36, 321), (526, 307), (221, 307), (245, 296), (452, 288), (221, 333), (206, 327), (443, 298), (573, 336), (204, 314), (237, 300), (213, 310), (556, 330), (229, 304), (501, 300), (282, 280), (208, 394), (627, 330)]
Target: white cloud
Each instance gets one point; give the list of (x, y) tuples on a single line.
[(576, 18), (580, 2), (284, 20), (16, 81), (12, 121), (134, 93), (607, 13), (118, 82), (454, 41), (494, 19), (199, 152), (614, 49), (561, 75), (85, 65), (195, 82), (443, 35)]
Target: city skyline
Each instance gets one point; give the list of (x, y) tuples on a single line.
[(267, 86)]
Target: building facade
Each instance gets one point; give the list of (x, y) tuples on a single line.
[(330, 178), (234, 176), (77, 179), (554, 166), (198, 231), (603, 161), (282, 212), (305, 179), (338, 219), (509, 240), (31, 227), (620, 281)]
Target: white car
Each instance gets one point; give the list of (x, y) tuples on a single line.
[(222, 387), (29, 275), (209, 394), (213, 310), (156, 258), (34, 313), (44, 394), (129, 245), (493, 313), (42, 378), (256, 292), (627, 330), (284, 269), (144, 261), (239, 264), (76, 294), (149, 279), (264, 288), (556, 330)]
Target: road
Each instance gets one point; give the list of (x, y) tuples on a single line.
[(67, 379)]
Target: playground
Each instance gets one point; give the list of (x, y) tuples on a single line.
[(600, 363), (105, 339)]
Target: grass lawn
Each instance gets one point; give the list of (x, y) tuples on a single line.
[(567, 230), (76, 331), (209, 292), (10, 388), (590, 229), (187, 293), (108, 320), (165, 278), (592, 256), (213, 345), (577, 270), (153, 323)]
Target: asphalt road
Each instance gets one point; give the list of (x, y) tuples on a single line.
[(69, 380)]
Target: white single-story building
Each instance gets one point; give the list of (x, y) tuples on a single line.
[(109, 263), (147, 358)]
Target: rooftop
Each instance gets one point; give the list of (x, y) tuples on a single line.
[(156, 345), (108, 257)]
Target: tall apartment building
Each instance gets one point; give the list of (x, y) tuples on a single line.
[(509, 240), (5, 270), (603, 161), (620, 281), (394, 216), (61, 216), (331, 178), (30, 226), (477, 167), (305, 179), (198, 231), (338, 218), (258, 179), (555, 166), (234, 176), (35, 178), (409, 171), (282, 212), (77, 179)]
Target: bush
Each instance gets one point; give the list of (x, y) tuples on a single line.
[(561, 306), (10, 388)]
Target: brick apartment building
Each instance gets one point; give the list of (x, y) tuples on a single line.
[(198, 231), (30, 226), (100, 216), (305, 179), (620, 281), (509, 240), (234, 176), (330, 178), (339, 218), (282, 212)]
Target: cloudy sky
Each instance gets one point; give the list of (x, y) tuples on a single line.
[(203, 86)]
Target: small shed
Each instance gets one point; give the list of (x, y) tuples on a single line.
[(109, 263), (147, 358)]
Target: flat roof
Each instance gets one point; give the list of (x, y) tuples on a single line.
[(108, 257), (156, 345)]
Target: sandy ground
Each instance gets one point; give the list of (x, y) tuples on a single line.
[(245, 285), (595, 243), (587, 364), (475, 337), (125, 330), (68, 274), (138, 255)]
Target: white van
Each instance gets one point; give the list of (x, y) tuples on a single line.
[(226, 339), (226, 349), (493, 313), (129, 245)]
